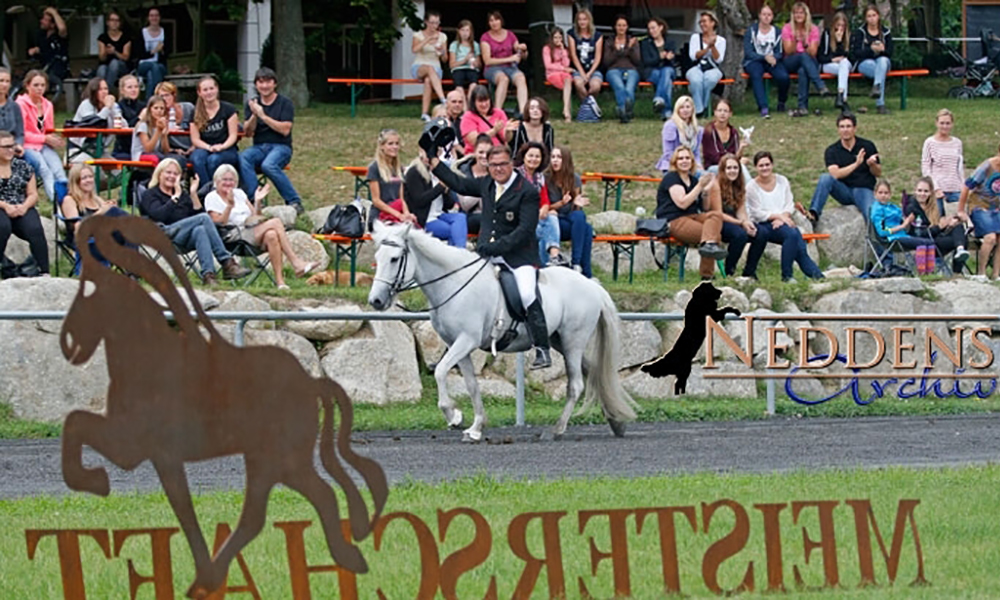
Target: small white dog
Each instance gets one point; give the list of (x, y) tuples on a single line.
[(746, 133)]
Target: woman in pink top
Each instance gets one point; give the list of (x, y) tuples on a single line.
[(800, 42), (40, 147), (557, 69), (483, 118), (942, 161), (501, 54)]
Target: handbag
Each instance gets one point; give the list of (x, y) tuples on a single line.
[(707, 63), (230, 234), (345, 220), (657, 228)]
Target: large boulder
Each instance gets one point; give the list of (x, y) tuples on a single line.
[(309, 249), (969, 297), (640, 342), (206, 300), (318, 217), (240, 301), (846, 245), (301, 348), (286, 214), (602, 257), (494, 387), (37, 380), (641, 385), (378, 369), (613, 222), (325, 330)]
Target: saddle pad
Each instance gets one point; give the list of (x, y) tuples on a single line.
[(511, 295)]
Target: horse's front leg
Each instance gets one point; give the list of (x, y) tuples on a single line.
[(175, 485), (475, 432), (104, 435), (463, 346)]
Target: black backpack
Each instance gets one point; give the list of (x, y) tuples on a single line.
[(344, 219)]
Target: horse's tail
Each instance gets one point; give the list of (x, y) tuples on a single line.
[(603, 382), (369, 470)]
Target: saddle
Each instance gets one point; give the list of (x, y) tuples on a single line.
[(504, 334)]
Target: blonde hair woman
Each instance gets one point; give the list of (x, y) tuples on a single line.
[(800, 42), (82, 200), (681, 131), (228, 205), (679, 201), (835, 55), (385, 179), (942, 161)]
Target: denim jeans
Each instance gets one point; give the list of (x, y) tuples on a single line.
[(205, 162), (663, 81), (49, 167), (198, 233), (700, 84), (547, 233), (793, 249), (112, 72), (736, 237), (842, 70), (623, 82), (581, 234), (153, 73), (755, 70), (860, 198), (808, 71), (876, 70), (450, 227), (271, 159)]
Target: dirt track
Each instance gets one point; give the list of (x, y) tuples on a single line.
[(33, 467)]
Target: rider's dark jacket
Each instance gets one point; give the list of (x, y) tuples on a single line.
[(508, 223)]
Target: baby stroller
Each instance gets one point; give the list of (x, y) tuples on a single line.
[(979, 73)]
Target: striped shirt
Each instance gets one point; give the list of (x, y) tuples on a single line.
[(942, 162)]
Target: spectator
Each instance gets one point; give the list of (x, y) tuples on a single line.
[(555, 55), (728, 196), (130, 107), (214, 131), (474, 166), (681, 130), (501, 54), (432, 203), (385, 180), (430, 47), (769, 206), (268, 120), (96, 102), (153, 53), (852, 164), (565, 190), (532, 160), (762, 53), (621, 67), (535, 127), (40, 148), (941, 161), (83, 200), (10, 115), (586, 49), (872, 49), (719, 138), (889, 222), (185, 222), (179, 115), (51, 50), (228, 205), (464, 58), (454, 108), (679, 201), (707, 50), (980, 203), (659, 65), (929, 221), (800, 42), (482, 118), (834, 56), (151, 136), (113, 50), (18, 197)]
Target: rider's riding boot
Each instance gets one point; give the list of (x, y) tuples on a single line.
[(539, 333)]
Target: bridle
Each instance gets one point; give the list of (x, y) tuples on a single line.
[(400, 284)]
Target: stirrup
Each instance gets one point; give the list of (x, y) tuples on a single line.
[(542, 359)]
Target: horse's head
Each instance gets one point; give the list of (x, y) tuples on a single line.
[(83, 328), (393, 265)]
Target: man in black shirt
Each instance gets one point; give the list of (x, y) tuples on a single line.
[(51, 49), (853, 164), (268, 119)]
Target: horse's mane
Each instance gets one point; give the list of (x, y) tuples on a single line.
[(141, 232)]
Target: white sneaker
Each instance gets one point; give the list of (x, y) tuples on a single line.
[(595, 106), (961, 253)]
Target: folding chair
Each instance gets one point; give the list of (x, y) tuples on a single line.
[(64, 244), (881, 252), (250, 256), (941, 265)]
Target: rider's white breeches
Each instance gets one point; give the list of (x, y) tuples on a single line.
[(525, 277)]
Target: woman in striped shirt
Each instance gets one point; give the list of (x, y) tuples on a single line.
[(942, 161)]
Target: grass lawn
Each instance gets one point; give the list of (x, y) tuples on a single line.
[(955, 519)]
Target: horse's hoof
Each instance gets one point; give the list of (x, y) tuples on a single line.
[(617, 427), (456, 419), (550, 435), (472, 437)]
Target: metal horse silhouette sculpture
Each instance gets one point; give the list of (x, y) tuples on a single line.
[(177, 394)]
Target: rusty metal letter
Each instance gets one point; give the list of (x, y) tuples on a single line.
[(68, 545), (552, 560), (299, 570), (730, 545), (772, 545), (668, 540), (468, 558), (827, 540), (163, 572), (863, 513), (619, 550), (430, 575)]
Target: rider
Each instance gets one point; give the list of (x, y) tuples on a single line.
[(507, 233)]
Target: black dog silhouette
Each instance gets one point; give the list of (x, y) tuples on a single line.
[(704, 303)]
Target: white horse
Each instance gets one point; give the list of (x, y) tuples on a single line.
[(466, 301)]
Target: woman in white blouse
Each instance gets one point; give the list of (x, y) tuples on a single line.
[(707, 50), (229, 206), (770, 205)]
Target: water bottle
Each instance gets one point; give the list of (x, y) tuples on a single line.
[(119, 122)]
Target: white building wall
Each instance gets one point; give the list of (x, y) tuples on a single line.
[(402, 59), (252, 33)]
